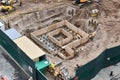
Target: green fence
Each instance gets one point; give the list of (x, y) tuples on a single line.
[(40, 75), (24, 61), (108, 57), (86, 72)]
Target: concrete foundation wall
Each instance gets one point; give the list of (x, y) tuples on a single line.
[(67, 44)]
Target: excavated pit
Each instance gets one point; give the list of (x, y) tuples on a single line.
[(64, 48), (29, 22), (42, 18)]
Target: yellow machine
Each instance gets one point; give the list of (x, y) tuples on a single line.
[(6, 8), (83, 1), (7, 5)]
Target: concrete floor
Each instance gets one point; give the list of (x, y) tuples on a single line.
[(9, 69), (104, 73)]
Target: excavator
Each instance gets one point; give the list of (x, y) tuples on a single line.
[(7, 5), (82, 3)]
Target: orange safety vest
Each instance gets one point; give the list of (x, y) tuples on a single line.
[(83, 0)]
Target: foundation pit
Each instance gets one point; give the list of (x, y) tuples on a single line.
[(64, 48)]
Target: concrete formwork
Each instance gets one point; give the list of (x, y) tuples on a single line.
[(65, 48)]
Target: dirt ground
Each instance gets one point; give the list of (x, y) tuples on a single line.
[(107, 31)]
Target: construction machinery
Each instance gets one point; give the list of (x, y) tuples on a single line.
[(7, 5), (82, 3)]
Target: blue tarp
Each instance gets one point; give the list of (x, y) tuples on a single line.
[(12, 33)]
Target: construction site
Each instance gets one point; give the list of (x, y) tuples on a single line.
[(60, 39)]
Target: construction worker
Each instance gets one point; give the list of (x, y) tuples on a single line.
[(111, 73), (95, 12), (20, 2), (56, 74), (52, 67)]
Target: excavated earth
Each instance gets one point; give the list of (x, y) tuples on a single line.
[(31, 17)]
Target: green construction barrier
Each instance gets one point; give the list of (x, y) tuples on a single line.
[(89, 70), (40, 76), (86, 72), (24, 61), (20, 57), (42, 65)]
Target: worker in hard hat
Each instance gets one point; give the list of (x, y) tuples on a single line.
[(56, 74), (95, 12), (52, 67), (20, 2)]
